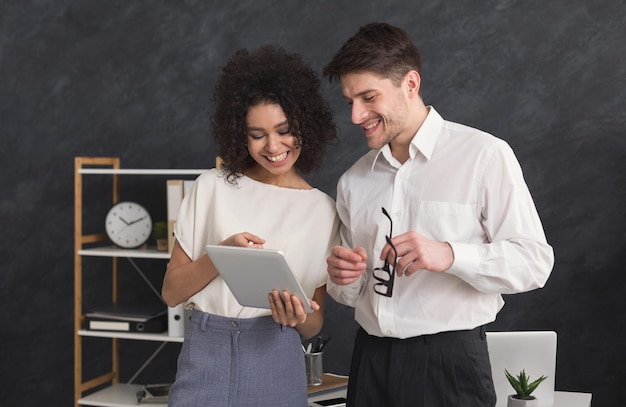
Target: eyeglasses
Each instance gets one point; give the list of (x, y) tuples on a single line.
[(385, 275)]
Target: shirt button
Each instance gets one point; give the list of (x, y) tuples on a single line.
[(388, 332)]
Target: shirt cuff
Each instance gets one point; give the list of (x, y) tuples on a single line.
[(346, 294), (466, 260)]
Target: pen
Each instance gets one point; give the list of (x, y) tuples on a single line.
[(324, 342), (320, 343), (317, 343)]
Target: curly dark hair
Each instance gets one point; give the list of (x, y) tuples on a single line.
[(270, 75)]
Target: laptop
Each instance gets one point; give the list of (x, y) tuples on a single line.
[(533, 351)]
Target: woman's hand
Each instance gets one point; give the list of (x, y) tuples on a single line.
[(287, 308), (244, 239)]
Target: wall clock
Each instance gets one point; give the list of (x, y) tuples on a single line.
[(128, 224)]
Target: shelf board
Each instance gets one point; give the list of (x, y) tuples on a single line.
[(160, 337), (118, 395), (113, 251), (123, 394), (141, 171)]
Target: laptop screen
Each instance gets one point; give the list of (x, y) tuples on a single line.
[(532, 351)]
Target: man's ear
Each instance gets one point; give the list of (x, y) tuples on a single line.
[(413, 81)]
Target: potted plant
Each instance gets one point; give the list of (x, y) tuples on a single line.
[(523, 389), (159, 233)]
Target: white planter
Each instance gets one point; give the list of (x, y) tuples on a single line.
[(513, 402)]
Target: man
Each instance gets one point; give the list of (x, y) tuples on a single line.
[(437, 223)]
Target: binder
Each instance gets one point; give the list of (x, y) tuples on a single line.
[(177, 319), (176, 189), (154, 393), (155, 325), (128, 318), (174, 197)]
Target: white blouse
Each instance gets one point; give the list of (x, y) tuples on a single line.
[(302, 223)]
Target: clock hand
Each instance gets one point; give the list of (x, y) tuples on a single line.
[(128, 224), (136, 220), (122, 219)]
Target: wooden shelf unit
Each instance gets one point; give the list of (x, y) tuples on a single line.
[(98, 245)]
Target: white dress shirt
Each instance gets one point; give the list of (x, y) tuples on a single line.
[(462, 186), (302, 223)]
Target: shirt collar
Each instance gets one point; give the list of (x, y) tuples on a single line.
[(424, 140)]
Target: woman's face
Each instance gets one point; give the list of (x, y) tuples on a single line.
[(270, 142)]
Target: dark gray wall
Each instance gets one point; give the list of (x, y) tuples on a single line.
[(134, 79)]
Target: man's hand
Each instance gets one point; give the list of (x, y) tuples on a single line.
[(415, 252), (345, 265)]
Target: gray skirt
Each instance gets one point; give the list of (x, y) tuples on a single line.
[(239, 362)]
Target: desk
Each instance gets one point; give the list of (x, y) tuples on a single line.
[(561, 398), (325, 395), (333, 386)]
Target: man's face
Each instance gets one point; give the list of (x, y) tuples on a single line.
[(379, 107)]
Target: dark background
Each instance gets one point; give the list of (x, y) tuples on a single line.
[(134, 79)]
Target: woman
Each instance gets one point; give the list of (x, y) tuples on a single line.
[(271, 124)]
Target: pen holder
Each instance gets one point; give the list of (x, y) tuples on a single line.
[(314, 368)]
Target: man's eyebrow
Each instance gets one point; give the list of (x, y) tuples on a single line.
[(363, 92)]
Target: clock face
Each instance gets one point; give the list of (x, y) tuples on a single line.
[(128, 225)]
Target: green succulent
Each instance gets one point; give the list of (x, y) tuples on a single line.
[(159, 230), (521, 384)]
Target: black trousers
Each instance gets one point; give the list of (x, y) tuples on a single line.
[(448, 369)]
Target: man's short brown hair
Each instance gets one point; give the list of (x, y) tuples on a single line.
[(380, 48)]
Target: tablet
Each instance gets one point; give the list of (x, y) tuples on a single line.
[(251, 274)]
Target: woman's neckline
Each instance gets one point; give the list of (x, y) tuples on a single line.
[(294, 182)]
